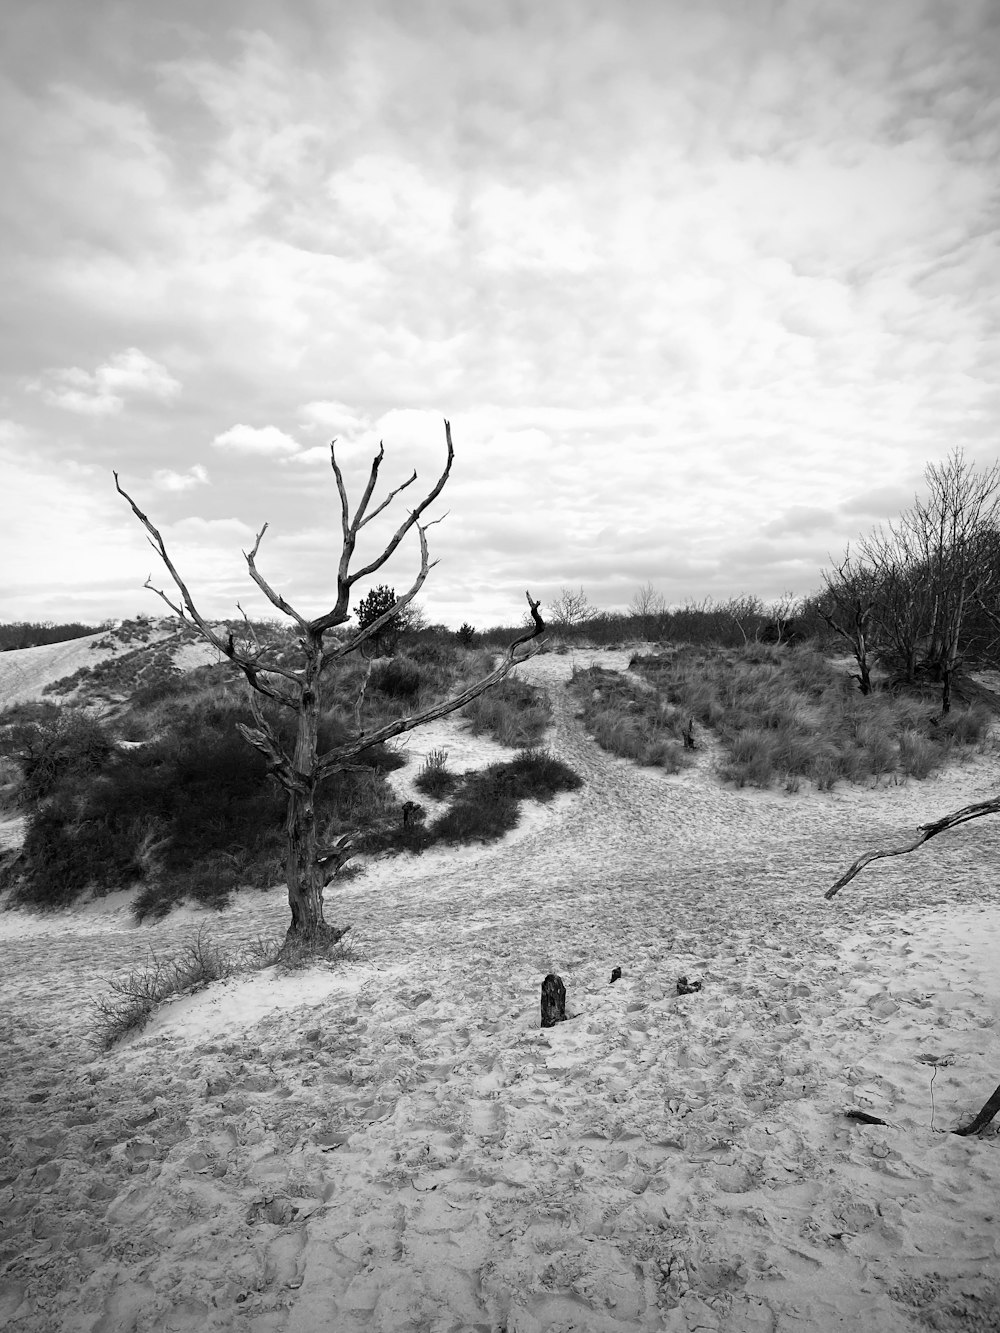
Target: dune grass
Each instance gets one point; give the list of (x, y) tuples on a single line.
[(514, 713), (785, 715), (629, 720)]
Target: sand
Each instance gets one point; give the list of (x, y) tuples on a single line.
[(395, 1144)]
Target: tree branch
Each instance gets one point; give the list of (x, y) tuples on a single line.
[(928, 831), (250, 668), (275, 598), (331, 762)]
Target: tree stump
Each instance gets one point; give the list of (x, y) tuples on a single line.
[(688, 735), (410, 811), (615, 976), (553, 1001)]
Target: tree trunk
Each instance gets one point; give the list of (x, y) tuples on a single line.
[(865, 678), (304, 876), (303, 872)]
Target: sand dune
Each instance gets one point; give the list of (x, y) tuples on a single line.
[(396, 1145)]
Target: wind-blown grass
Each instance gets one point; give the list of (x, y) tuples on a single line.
[(783, 715)]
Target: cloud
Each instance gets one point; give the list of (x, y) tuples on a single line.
[(103, 391), (799, 518), (259, 440), (331, 416), (168, 480), (879, 502)]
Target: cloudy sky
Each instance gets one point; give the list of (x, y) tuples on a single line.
[(702, 285)]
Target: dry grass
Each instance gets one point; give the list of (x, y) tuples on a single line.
[(134, 999), (785, 715)]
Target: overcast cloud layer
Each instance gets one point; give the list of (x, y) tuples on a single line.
[(701, 287)]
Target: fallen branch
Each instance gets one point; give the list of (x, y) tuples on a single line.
[(927, 831), (984, 1117)]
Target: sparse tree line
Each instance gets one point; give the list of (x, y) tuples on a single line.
[(921, 596), (30, 633)]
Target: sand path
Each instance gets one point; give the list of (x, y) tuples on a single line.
[(396, 1145)]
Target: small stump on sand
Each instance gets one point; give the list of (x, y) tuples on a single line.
[(553, 1001), (615, 976)]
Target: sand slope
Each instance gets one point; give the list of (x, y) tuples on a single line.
[(396, 1145)]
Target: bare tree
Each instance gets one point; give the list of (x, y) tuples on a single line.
[(903, 599), (570, 609), (300, 687), (950, 529), (648, 606), (747, 614), (780, 619), (848, 606)]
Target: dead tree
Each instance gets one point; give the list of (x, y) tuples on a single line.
[(300, 687), (928, 831)]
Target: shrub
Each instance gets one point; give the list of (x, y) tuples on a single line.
[(966, 726), (512, 712), (134, 998), (396, 678), (434, 778), (191, 814), (72, 743), (918, 756)]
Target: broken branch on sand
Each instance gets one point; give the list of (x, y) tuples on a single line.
[(928, 831)]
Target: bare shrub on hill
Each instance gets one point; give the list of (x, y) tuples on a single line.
[(132, 1000)]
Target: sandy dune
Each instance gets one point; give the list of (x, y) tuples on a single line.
[(397, 1145)]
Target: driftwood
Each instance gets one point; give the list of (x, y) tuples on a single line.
[(685, 987), (553, 1001), (864, 1117), (984, 1117), (927, 831)]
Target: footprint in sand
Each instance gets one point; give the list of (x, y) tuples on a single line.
[(486, 1120)]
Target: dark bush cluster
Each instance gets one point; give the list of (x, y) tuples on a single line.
[(485, 804), (189, 813)]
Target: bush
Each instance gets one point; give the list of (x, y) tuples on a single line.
[(73, 743), (396, 678), (434, 779), (191, 814), (512, 712), (486, 805), (134, 998)]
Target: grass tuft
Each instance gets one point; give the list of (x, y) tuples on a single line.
[(514, 713), (133, 999)]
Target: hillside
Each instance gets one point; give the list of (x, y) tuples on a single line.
[(102, 665), (395, 1144)]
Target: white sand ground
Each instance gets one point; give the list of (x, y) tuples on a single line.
[(395, 1144)]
